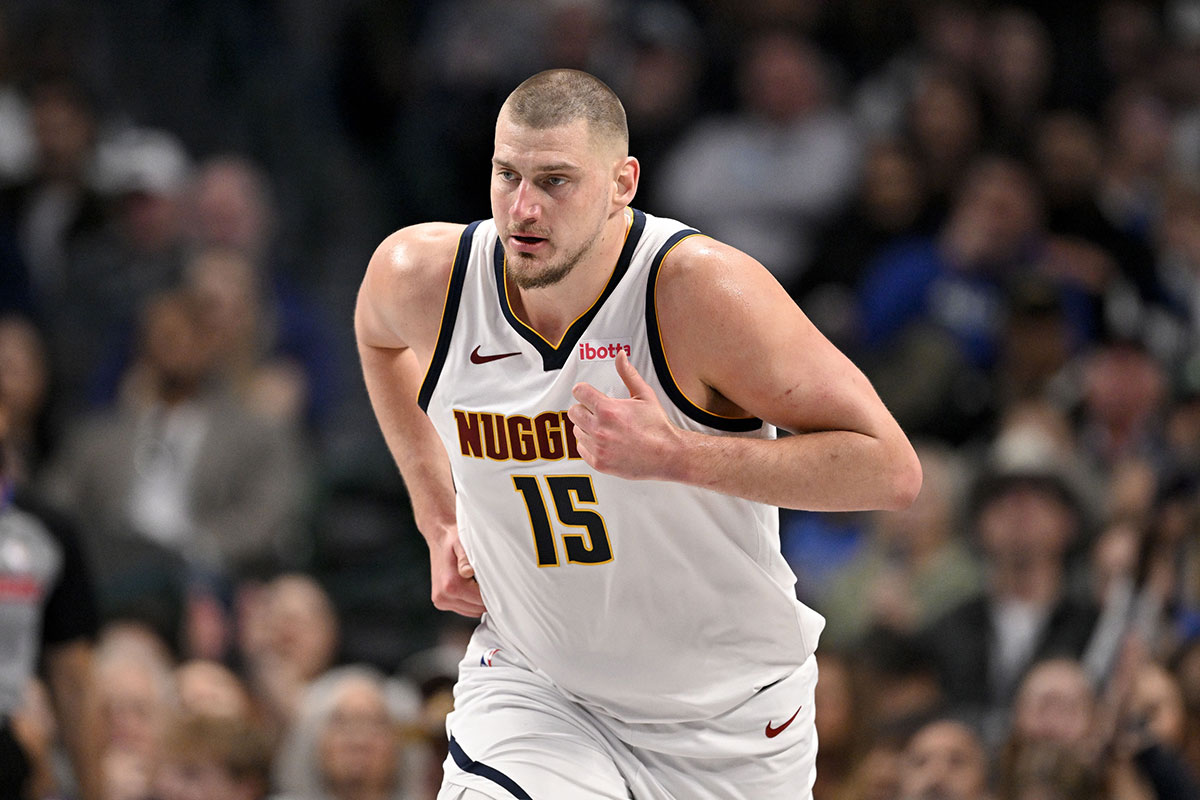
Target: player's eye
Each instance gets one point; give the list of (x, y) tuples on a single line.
[(556, 180), (506, 174)]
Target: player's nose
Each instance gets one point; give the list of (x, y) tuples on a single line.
[(525, 203)]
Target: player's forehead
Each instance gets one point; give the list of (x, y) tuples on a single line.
[(574, 143)]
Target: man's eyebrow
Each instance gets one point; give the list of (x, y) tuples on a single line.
[(562, 167)]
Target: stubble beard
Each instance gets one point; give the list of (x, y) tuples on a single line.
[(551, 273)]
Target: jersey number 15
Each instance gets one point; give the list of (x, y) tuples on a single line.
[(567, 492)]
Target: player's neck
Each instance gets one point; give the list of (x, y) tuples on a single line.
[(550, 310)]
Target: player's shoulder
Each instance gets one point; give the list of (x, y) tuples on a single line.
[(700, 271), (420, 252), (401, 296)]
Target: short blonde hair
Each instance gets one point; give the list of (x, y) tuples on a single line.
[(560, 96)]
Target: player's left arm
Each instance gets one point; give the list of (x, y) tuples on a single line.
[(739, 346)]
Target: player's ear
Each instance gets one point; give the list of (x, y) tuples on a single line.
[(628, 172)]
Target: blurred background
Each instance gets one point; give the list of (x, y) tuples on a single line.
[(992, 207)]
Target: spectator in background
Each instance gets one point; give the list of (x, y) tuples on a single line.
[(54, 214), (661, 84), (28, 739), (138, 701), (1056, 705), (25, 389), (915, 566), (1171, 561), (465, 57), (955, 281), (233, 208), (1055, 737), (944, 123), (1033, 427), (891, 206), (212, 689), (289, 637), (839, 720), (144, 175), (876, 774), (1186, 668), (1177, 251), (1037, 345), (584, 34), (944, 760), (900, 682), (50, 621), (213, 758), (1138, 150), (1115, 578), (1055, 773), (146, 172), (1144, 565), (237, 315), (1026, 520), (1036, 436), (1069, 743), (948, 40), (235, 212), (939, 304), (1130, 40), (434, 672), (179, 482), (345, 741), (1124, 392), (767, 177), (1015, 69), (1157, 702), (56, 208), (1114, 265), (1149, 733)]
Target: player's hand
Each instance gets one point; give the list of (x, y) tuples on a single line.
[(453, 577), (629, 438)]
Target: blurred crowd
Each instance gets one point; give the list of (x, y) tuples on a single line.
[(993, 207)]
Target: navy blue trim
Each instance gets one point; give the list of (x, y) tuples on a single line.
[(458, 276), (466, 764), (555, 357), (659, 356)]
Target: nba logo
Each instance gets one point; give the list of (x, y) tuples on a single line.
[(485, 660)]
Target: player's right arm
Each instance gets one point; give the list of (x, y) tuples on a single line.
[(396, 322)]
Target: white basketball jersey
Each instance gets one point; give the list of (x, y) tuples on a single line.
[(647, 600)]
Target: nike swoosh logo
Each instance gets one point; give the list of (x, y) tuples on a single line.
[(478, 359), (773, 732)]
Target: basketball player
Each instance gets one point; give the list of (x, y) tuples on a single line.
[(596, 467)]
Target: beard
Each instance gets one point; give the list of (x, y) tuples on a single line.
[(546, 276), (526, 273)]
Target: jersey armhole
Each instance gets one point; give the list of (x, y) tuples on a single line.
[(659, 356), (454, 289)]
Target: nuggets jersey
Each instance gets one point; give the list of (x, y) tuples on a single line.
[(646, 600)]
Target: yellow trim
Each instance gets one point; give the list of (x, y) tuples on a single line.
[(663, 347), (628, 227), (445, 301)]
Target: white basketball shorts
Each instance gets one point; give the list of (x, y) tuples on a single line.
[(513, 734)]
